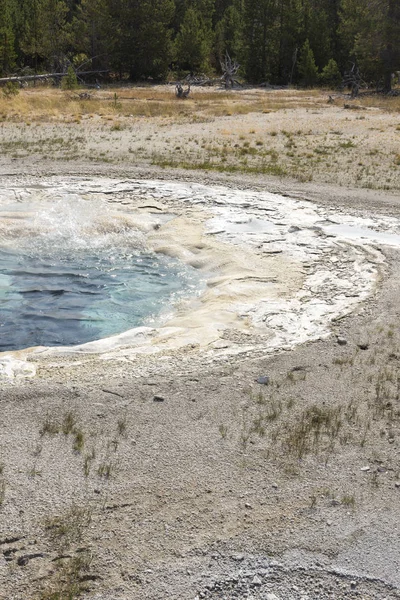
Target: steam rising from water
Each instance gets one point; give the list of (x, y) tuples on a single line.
[(75, 272)]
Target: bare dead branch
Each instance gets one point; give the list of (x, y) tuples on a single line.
[(180, 92), (229, 69)]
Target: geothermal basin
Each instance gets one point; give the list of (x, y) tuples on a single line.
[(125, 268)]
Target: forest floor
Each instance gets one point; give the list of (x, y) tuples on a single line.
[(174, 477)]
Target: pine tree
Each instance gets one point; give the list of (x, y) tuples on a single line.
[(56, 34), (370, 30), (228, 34), (332, 9), (316, 29), (155, 46), (259, 38), (45, 36), (7, 38), (331, 76), (390, 55), (140, 36), (32, 32), (70, 82), (221, 6), (90, 32), (193, 42), (290, 36), (307, 68)]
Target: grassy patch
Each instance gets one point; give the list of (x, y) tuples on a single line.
[(70, 577), (316, 423), (268, 169), (68, 528), (347, 144)]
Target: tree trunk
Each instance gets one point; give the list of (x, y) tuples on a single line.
[(387, 82)]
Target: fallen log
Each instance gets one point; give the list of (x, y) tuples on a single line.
[(44, 76)]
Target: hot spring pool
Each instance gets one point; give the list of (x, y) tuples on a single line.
[(67, 279)]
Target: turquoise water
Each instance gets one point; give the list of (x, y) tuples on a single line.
[(51, 301), (74, 282)]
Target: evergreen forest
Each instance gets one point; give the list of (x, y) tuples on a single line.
[(304, 42)]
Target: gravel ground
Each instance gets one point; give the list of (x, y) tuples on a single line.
[(225, 488)]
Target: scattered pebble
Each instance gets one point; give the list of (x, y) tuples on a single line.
[(158, 399), (238, 557)]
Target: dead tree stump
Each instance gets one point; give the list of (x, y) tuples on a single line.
[(180, 92)]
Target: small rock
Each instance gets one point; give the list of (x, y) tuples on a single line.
[(256, 580), (329, 523), (271, 597), (23, 560), (341, 341), (365, 469), (353, 584), (275, 486), (238, 557), (220, 345), (158, 399), (363, 346), (248, 506), (397, 484), (263, 380)]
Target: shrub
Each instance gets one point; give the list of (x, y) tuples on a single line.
[(70, 81), (10, 90), (331, 75)]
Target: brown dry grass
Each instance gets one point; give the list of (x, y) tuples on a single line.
[(48, 104), (386, 103)]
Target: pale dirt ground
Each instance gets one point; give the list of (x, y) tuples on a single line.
[(248, 131), (227, 488)]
